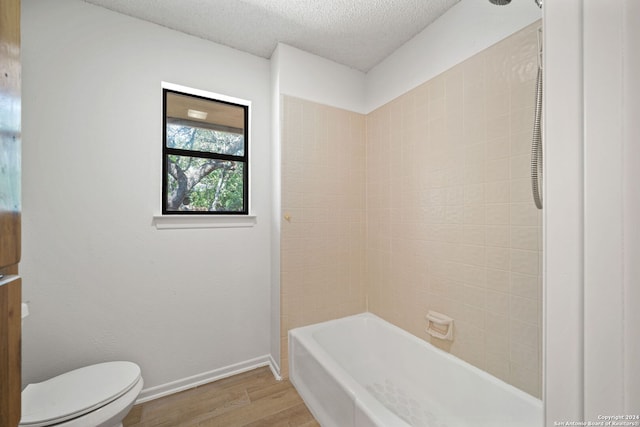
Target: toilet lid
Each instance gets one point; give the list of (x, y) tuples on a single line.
[(77, 392)]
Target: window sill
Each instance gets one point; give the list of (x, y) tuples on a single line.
[(165, 222)]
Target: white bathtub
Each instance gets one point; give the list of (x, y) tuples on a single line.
[(362, 371)]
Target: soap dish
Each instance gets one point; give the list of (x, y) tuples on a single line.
[(439, 325)]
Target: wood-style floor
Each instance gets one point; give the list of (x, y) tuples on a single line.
[(250, 399)]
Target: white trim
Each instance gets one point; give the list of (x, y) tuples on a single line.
[(205, 94), (276, 207), (631, 213), (275, 368), (159, 391), (166, 222), (603, 208), (563, 266), (590, 132)]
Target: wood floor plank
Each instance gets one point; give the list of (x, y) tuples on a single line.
[(253, 398), (295, 416), (135, 415), (259, 409), (199, 409), (268, 390)]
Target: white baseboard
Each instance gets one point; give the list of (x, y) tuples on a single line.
[(156, 392)]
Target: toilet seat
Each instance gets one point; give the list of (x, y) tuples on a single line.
[(76, 393)]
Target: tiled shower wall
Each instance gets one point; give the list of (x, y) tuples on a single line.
[(323, 205), (449, 224)]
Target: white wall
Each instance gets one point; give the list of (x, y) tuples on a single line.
[(103, 283), (320, 80), (464, 30)]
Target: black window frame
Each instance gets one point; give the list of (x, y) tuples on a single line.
[(167, 151)]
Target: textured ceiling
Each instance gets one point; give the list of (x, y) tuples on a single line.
[(356, 33)]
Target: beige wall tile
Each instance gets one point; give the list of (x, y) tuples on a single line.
[(521, 190), (473, 194), (323, 192), (525, 285), (523, 214), (498, 170), (525, 379), (497, 325), (498, 258), (523, 355), (498, 235), (522, 332), (524, 309), (525, 262), (521, 142), (520, 166), (498, 148), (474, 214), (498, 127), (498, 363), (497, 302), (498, 280), (428, 207), (497, 192), (487, 182), (473, 235), (524, 238), (497, 214)]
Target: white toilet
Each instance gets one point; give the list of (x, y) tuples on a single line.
[(94, 396)]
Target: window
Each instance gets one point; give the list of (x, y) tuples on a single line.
[(205, 155)]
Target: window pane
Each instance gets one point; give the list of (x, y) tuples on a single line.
[(198, 184), (201, 124), (206, 140)]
